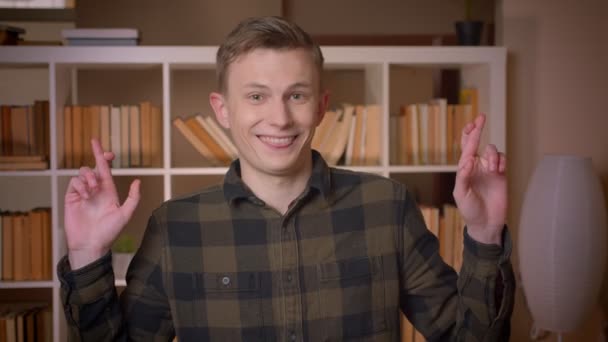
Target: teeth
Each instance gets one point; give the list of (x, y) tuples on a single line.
[(277, 140)]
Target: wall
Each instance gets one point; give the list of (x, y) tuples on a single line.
[(183, 22), (557, 81)]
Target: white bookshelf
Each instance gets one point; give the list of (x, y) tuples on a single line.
[(52, 73)]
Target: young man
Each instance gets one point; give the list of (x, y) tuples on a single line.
[(287, 249)]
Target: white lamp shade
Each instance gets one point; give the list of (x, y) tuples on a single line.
[(562, 242)]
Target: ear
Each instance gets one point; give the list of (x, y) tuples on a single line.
[(323, 102), (220, 107)]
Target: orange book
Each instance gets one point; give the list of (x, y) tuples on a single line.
[(35, 219), (134, 136), (469, 96), (145, 112), (373, 134), (218, 152), (181, 126), (104, 128), (87, 134), (5, 119), (124, 137), (404, 139), (450, 135), (77, 137), (95, 121), (358, 137), (19, 127), (47, 253), (19, 241), (7, 246), (68, 152), (156, 137)]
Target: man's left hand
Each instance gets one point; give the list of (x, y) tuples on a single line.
[(481, 186)]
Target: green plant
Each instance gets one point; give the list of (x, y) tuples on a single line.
[(124, 244)]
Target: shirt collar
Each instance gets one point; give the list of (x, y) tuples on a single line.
[(235, 189)]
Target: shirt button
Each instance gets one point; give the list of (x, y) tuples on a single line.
[(289, 277), (292, 336), (226, 281)]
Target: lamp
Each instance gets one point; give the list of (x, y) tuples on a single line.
[(562, 242)]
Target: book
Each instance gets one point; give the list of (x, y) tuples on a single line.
[(77, 137), (220, 157), (157, 136), (104, 128), (373, 144), (223, 137), (68, 139), (100, 33), (19, 130), (145, 115), (214, 136), (358, 137), (339, 138), (115, 136), (5, 120), (125, 137), (198, 145), (7, 246), (134, 137)]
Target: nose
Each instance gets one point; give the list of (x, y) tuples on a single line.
[(279, 114)]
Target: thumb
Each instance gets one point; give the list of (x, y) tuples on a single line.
[(463, 179), (128, 207)]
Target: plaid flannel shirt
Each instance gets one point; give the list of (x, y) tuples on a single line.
[(351, 251)]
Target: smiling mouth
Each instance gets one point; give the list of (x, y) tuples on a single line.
[(277, 141)]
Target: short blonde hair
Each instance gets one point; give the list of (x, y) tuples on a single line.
[(266, 33)]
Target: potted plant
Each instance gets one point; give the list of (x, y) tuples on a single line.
[(123, 250), (469, 31)]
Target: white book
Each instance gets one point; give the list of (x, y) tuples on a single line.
[(100, 33), (218, 135), (350, 145), (443, 129), (423, 121), (115, 136), (363, 141), (414, 136)]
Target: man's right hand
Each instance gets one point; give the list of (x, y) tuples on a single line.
[(93, 215)]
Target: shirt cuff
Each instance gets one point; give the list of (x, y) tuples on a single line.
[(487, 257), (88, 283)]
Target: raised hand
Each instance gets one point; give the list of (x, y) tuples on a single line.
[(93, 215), (481, 186)]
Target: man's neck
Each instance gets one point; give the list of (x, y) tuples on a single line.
[(277, 191)]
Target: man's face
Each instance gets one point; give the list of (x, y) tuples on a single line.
[(272, 105)]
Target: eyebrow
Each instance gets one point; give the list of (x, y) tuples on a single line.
[(262, 86)]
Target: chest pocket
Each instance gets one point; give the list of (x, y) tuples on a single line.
[(351, 298), (231, 302)]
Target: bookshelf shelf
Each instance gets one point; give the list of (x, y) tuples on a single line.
[(25, 173), (423, 169), (177, 79), (25, 284)]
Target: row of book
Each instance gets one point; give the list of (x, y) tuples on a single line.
[(447, 225), (350, 135), (26, 245), (208, 138), (26, 322), (428, 133), (132, 132), (24, 133)]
